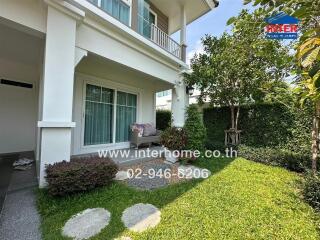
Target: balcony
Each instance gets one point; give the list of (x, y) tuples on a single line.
[(119, 10), (159, 37)]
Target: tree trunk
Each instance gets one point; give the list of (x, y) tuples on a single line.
[(315, 137), (237, 118), (232, 116)]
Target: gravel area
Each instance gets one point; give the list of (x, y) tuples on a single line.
[(145, 177)]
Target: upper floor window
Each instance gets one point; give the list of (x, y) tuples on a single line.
[(119, 9)]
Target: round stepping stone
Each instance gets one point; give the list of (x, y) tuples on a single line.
[(191, 172), (86, 224), (121, 176), (141, 217)]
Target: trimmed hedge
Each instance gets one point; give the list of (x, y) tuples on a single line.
[(311, 191), (163, 119), (263, 125), (79, 175), (276, 157)]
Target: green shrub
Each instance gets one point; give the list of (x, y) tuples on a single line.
[(276, 157), (174, 138), (79, 175), (311, 191), (163, 119), (195, 129)]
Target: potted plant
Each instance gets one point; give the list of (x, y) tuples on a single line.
[(174, 140)]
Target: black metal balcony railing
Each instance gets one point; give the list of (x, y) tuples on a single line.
[(151, 32)]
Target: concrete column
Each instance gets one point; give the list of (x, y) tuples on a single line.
[(183, 33), (57, 89), (180, 102)]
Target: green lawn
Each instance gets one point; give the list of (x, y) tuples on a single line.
[(241, 200)]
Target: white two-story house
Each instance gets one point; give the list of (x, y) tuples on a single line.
[(75, 74)]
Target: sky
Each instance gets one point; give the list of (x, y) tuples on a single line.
[(214, 23)]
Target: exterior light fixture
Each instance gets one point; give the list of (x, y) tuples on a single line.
[(190, 90)]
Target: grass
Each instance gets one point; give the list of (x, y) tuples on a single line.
[(241, 200)]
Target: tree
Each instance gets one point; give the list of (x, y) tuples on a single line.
[(307, 56), (233, 68)]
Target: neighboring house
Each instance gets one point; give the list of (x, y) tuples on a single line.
[(76, 73), (164, 99)]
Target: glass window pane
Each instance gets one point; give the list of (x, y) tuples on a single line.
[(121, 98), (124, 13), (107, 95), (106, 5), (95, 2), (115, 8), (132, 100), (93, 93), (126, 115)]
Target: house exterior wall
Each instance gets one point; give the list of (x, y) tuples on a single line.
[(18, 107), (111, 45)]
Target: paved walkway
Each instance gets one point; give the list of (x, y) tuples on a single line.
[(19, 219)]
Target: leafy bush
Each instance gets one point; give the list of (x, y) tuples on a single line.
[(195, 129), (174, 138), (163, 119), (276, 157), (311, 191), (79, 175)]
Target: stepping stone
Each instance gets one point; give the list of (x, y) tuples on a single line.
[(192, 172), (141, 217), (86, 224), (121, 176)]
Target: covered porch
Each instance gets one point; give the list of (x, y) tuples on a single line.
[(63, 96)]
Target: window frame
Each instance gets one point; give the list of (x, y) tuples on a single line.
[(104, 84)]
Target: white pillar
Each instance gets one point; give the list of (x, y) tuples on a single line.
[(57, 89), (183, 24), (183, 33), (180, 102)]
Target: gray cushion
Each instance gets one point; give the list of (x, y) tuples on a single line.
[(149, 130)]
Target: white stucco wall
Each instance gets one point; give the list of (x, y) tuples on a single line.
[(18, 108), (121, 50)]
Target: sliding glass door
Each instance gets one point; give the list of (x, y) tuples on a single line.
[(126, 115), (100, 110)]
